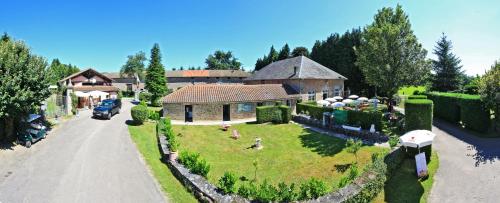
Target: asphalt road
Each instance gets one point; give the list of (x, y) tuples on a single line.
[(82, 160), (469, 166)]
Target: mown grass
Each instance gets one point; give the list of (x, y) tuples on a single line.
[(291, 154), (146, 141), (404, 186)]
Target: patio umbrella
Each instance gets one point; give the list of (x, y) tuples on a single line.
[(337, 104), (417, 138), (339, 98), (362, 99), (81, 94), (323, 102), (331, 99), (347, 101), (353, 96), (374, 100), (97, 93)]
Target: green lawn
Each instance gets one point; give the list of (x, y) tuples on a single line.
[(146, 141), (290, 153), (410, 89), (404, 185)]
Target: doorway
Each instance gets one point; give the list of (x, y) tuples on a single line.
[(226, 112), (188, 113)]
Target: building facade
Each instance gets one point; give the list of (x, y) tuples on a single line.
[(181, 78), (224, 102), (311, 80), (129, 84)]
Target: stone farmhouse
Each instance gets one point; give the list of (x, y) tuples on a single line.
[(287, 81)]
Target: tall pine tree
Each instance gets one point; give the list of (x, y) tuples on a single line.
[(447, 68), (156, 82), (284, 52)]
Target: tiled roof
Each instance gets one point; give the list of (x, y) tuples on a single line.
[(207, 73), (83, 71), (299, 67), (96, 87), (214, 93)]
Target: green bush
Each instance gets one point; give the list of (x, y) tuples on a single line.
[(473, 113), (446, 106), (365, 119), (227, 183), (313, 110), (144, 96), (194, 163), (275, 114), (247, 190), (286, 193), (418, 114), (139, 114), (266, 192), (312, 189), (373, 186), (154, 115), (417, 97)]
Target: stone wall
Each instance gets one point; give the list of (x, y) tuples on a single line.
[(173, 111), (306, 85)]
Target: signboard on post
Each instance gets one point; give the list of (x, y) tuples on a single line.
[(421, 164)]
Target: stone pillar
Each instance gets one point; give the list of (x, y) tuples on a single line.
[(68, 102)]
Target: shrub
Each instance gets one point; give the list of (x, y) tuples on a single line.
[(139, 114), (473, 113), (194, 163), (144, 96), (446, 106), (286, 114), (344, 181), (154, 115), (365, 119), (247, 190), (313, 110), (227, 183), (266, 192), (312, 189), (418, 114), (417, 97), (286, 193), (266, 114), (373, 186)]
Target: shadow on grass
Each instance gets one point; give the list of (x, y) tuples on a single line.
[(341, 168), (132, 123), (404, 186), (321, 144)]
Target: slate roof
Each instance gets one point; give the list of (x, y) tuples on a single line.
[(219, 93), (207, 73), (299, 67)]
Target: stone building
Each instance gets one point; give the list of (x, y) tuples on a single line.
[(224, 102), (310, 79), (180, 78), (125, 83)]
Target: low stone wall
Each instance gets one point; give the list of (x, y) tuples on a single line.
[(207, 192), (364, 135)]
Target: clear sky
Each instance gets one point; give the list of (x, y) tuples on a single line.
[(100, 34)]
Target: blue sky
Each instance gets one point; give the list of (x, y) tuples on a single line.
[(100, 34)]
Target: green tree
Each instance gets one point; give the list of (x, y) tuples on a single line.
[(353, 146), (134, 65), (156, 82), (58, 70), (24, 82), (447, 67), (390, 55), (489, 89), (284, 52), (221, 60), (5, 37), (300, 51), (267, 59)]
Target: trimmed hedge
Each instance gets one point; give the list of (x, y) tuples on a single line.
[(418, 114), (417, 97), (313, 110), (275, 114), (474, 115), (365, 119), (446, 106), (154, 115), (139, 114)]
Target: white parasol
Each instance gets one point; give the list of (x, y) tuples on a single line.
[(331, 99), (337, 104), (353, 96), (374, 100), (339, 98), (81, 94), (362, 99), (417, 138), (323, 102), (97, 93), (347, 101)]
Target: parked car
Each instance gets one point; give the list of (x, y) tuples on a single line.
[(34, 130), (107, 108)]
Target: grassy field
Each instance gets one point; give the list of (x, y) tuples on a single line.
[(146, 141), (290, 153), (410, 89), (404, 185)]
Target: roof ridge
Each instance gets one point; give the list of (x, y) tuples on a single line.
[(300, 67)]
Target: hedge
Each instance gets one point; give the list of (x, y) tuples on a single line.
[(313, 110), (365, 119), (446, 106), (275, 114), (474, 115), (417, 97), (154, 114), (418, 114), (139, 114)]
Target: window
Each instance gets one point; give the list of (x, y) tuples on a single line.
[(325, 94), (288, 103), (245, 107), (311, 96), (336, 91)]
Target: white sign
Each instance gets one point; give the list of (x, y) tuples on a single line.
[(421, 163)]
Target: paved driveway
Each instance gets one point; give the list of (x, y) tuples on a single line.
[(83, 160), (469, 168)]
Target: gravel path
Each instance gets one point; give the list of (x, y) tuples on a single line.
[(469, 167), (82, 160)]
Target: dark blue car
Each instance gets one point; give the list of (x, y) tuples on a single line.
[(107, 109)]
